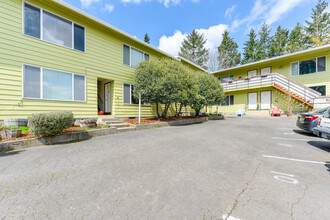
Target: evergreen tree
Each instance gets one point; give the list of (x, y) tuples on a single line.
[(319, 26), (279, 42), (228, 53), (147, 38), (192, 48), (264, 41), (297, 39), (251, 48)]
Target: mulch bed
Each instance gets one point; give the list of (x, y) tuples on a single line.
[(25, 135), (28, 135), (156, 120)]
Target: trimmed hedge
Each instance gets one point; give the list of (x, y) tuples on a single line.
[(50, 124)]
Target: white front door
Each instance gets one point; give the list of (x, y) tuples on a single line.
[(264, 71), (265, 99), (252, 73), (107, 97), (253, 100)]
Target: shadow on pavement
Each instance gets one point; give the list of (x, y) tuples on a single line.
[(302, 132), (323, 145), (10, 153), (327, 164)]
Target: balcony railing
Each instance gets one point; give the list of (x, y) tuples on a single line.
[(272, 79)]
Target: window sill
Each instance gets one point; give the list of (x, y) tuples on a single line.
[(55, 100), (136, 104)]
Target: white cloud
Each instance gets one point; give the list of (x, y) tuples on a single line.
[(213, 36), (268, 11), (230, 11), (172, 43), (87, 3), (279, 8), (166, 3), (109, 8)]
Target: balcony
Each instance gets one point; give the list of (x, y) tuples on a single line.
[(277, 81)]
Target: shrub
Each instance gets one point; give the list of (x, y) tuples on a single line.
[(50, 124)]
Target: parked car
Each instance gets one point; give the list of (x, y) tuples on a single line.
[(308, 121), (323, 127)]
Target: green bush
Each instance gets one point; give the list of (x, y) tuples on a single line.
[(50, 124)]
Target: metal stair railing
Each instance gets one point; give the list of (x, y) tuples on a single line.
[(272, 79)]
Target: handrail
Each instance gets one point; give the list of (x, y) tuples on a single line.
[(271, 79)]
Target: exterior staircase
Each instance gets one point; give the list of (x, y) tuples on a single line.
[(293, 95), (115, 123), (296, 90)]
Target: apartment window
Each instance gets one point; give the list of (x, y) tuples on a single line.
[(128, 94), (48, 84), (226, 78), (133, 57), (320, 89), (229, 100), (47, 26), (313, 65)]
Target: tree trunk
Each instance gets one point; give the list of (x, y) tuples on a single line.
[(158, 115), (164, 114), (180, 110), (176, 109), (197, 112)]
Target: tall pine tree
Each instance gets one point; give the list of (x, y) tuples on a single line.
[(251, 48), (193, 49), (297, 39), (279, 42), (264, 41), (147, 38), (228, 53), (319, 26)]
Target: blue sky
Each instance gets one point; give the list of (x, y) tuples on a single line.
[(168, 21)]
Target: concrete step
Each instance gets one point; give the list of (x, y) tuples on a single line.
[(126, 129), (120, 125), (112, 122)]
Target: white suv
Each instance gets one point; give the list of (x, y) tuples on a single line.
[(323, 127)]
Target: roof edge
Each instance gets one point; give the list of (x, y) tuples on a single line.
[(274, 58)]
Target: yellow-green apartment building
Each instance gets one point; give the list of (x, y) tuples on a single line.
[(301, 79), (54, 56)]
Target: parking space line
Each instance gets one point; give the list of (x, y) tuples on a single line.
[(291, 139), (298, 160), (285, 145), (282, 173), (291, 133)]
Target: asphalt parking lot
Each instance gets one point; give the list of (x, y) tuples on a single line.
[(231, 169)]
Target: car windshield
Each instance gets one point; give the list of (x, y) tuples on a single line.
[(320, 111)]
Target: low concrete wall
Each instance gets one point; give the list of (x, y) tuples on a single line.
[(220, 117), (187, 121), (85, 135), (153, 125), (60, 139)]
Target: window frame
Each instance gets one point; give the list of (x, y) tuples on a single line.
[(130, 55), (230, 104), (325, 88), (130, 97), (41, 85), (270, 67), (316, 58), (41, 27), (227, 76)]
